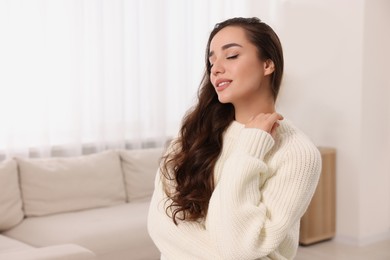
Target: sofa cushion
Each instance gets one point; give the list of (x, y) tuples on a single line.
[(10, 200), (57, 252), (118, 232), (54, 185), (140, 168), (11, 245)]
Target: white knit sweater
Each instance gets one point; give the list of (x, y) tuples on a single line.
[(262, 188)]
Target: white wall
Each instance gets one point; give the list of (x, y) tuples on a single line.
[(375, 178), (336, 89)]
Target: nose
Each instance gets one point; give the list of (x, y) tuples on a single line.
[(217, 68)]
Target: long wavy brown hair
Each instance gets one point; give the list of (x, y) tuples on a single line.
[(188, 167)]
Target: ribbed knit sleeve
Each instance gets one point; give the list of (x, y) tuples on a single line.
[(255, 205)]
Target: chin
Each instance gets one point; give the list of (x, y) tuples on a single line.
[(224, 100)]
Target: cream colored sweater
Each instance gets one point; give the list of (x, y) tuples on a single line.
[(262, 188)]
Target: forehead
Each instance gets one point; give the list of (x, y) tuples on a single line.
[(229, 34)]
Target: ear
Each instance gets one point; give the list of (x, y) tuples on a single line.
[(269, 67)]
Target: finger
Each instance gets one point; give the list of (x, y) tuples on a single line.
[(274, 117), (273, 130), (251, 118)]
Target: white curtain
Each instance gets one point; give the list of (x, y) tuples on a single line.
[(87, 75)]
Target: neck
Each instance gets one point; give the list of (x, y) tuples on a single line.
[(245, 111)]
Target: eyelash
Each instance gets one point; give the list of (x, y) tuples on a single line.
[(232, 57), (229, 58)]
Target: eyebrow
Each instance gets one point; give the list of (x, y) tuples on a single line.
[(226, 46)]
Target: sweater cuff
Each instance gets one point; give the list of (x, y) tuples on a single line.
[(255, 142)]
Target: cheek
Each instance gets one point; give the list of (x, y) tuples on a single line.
[(255, 72), (249, 66), (251, 76)]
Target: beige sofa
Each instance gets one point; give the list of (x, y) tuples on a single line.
[(87, 207)]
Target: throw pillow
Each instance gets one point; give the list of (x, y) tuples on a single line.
[(54, 185), (140, 167)]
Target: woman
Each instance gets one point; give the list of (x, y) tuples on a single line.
[(239, 177)]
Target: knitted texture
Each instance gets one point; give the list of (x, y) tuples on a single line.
[(262, 188)]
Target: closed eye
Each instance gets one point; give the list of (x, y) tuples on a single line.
[(229, 58), (232, 57)]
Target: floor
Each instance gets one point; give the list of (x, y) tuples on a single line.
[(337, 251)]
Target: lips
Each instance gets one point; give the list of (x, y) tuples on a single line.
[(221, 84)]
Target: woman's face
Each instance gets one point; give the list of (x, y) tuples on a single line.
[(237, 73)]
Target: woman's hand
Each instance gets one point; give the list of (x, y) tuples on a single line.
[(266, 122)]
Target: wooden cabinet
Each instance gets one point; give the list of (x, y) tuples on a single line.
[(319, 221)]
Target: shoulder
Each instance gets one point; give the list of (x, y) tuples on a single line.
[(294, 146), (291, 136)]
